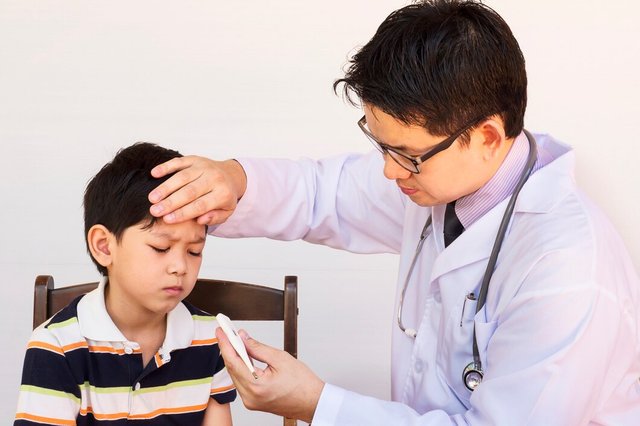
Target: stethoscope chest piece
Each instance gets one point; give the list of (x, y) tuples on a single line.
[(472, 376)]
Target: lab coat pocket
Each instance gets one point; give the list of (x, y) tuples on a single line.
[(484, 333)]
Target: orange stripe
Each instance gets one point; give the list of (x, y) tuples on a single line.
[(152, 414), (109, 349), (177, 410), (43, 345), (39, 419), (69, 348), (158, 359), (66, 348), (115, 416), (222, 389), (204, 342)]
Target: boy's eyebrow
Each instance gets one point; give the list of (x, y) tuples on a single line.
[(197, 240)]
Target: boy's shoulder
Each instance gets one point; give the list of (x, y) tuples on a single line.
[(67, 313), (204, 323), (195, 311), (62, 328)]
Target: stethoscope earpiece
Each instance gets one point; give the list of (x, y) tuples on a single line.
[(410, 332)]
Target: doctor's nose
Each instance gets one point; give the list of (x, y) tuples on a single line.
[(394, 171)]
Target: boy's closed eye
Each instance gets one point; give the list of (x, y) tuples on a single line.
[(193, 253), (159, 250)]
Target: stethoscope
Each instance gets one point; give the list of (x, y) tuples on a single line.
[(472, 373)]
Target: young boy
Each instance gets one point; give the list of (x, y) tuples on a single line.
[(131, 349)]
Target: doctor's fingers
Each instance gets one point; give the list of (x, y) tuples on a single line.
[(288, 387), (264, 353), (237, 369), (256, 394), (186, 170), (204, 189), (208, 209)]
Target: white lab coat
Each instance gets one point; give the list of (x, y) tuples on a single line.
[(558, 336)]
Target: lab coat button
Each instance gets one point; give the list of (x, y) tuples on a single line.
[(137, 386), (128, 350), (418, 367)]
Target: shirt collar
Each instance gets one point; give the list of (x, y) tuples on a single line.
[(475, 205), (96, 324)]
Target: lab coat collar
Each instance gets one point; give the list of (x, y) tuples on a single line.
[(544, 189), (96, 324)]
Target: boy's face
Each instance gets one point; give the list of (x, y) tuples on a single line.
[(153, 269)]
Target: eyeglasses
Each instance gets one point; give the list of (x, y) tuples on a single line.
[(409, 162)]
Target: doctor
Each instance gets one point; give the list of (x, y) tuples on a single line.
[(555, 330)]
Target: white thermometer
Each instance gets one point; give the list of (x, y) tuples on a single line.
[(236, 341)]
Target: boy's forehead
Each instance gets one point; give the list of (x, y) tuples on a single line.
[(189, 231)]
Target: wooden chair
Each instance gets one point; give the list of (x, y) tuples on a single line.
[(239, 301)]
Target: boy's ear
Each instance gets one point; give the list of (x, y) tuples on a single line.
[(99, 240)]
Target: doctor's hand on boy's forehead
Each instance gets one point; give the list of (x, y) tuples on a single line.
[(202, 189)]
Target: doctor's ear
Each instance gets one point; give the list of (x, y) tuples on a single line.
[(492, 136), (99, 241)]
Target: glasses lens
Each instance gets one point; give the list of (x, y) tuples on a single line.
[(405, 162), (376, 144)]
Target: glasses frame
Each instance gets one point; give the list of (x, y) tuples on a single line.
[(417, 160)]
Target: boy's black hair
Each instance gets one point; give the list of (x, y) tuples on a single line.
[(441, 64), (117, 196)]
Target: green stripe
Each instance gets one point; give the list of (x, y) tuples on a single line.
[(115, 389), (182, 384), (63, 323), (127, 389), (50, 392), (203, 318)]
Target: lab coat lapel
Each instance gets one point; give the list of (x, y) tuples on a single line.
[(473, 245), (541, 193)]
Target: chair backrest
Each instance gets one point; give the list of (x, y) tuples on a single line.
[(239, 301)]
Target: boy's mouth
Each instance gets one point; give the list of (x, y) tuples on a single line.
[(173, 290)]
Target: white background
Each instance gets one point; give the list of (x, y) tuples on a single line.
[(80, 79)]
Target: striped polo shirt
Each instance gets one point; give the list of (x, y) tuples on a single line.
[(79, 369)]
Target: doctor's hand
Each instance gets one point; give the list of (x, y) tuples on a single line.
[(286, 387), (200, 188)]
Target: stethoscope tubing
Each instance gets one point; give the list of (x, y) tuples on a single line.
[(423, 236), (476, 365), (500, 235)]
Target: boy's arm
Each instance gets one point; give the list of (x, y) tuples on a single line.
[(49, 390), (217, 414), (223, 391)]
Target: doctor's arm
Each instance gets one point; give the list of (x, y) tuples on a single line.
[(540, 368), (287, 387), (343, 202)]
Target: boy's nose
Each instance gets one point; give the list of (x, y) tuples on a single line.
[(178, 265)]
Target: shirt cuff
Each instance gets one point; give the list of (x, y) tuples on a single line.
[(328, 406), (245, 204)]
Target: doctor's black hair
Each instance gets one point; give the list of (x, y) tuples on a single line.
[(440, 64), (117, 196)]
